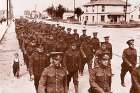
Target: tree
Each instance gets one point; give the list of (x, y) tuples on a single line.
[(50, 11), (78, 11), (60, 11), (56, 12)]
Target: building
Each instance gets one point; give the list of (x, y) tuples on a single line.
[(105, 11), (135, 13), (68, 15)]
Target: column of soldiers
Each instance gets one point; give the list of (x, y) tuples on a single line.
[(54, 56)]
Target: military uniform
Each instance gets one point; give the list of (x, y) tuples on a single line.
[(95, 43), (100, 80), (108, 46), (72, 62), (101, 77), (129, 60), (53, 80), (135, 75), (37, 62)]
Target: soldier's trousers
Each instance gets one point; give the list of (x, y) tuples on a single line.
[(84, 61), (26, 60), (36, 82), (73, 75), (124, 70)]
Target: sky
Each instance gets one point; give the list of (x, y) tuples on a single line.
[(20, 5)]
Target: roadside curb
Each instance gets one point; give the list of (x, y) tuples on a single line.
[(3, 32)]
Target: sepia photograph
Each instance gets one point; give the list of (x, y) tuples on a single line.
[(69, 46)]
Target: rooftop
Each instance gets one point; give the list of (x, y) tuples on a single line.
[(107, 2)]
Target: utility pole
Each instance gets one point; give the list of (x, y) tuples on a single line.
[(7, 10), (126, 10), (74, 9)]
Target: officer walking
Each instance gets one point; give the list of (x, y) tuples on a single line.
[(129, 58), (54, 77)]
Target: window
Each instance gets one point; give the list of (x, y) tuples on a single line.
[(86, 9), (86, 18), (124, 9), (103, 8), (102, 18), (139, 16), (139, 8), (93, 18), (93, 8), (131, 16)]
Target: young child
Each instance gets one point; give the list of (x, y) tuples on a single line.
[(16, 66)]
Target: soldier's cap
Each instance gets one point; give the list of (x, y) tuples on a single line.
[(73, 44), (74, 29), (95, 33), (131, 41), (84, 29), (103, 44), (106, 37), (68, 29), (54, 54)]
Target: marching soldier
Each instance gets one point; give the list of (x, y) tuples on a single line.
[(99, 54), (72, 64), (86, 54), (37, 62), (100, 77), (54, 77), (129, 58), (95, 42), (135, 75), (83, 36), (68, 37), (108, 45), (75, 34)]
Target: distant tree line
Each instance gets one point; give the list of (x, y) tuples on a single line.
[(56, 12)]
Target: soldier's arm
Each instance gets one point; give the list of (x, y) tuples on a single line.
[(65, 83), (64, 61), (111, 51), (93, 83), (125, 58), (43, 82), (31, 65)]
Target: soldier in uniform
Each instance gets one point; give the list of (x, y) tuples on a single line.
[(37, 62), (54, 77), (100, 77), (68, 37), (83, 36), (75, 34), (95, 42), (108, 45), (72, 62), (129, 58), (135, 75), (99, 54), (86, 54)]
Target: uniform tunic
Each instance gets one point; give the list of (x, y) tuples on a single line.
[(53, 80)]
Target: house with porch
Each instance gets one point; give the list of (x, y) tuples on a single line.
[(106, 11)]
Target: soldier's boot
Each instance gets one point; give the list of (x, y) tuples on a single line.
[(76, 88), (122, 80)]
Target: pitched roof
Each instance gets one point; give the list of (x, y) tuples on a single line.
[(106, 2)]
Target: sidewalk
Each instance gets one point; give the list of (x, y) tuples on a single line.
[(3, 29)]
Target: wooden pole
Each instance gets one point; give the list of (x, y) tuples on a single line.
[(7, 10)]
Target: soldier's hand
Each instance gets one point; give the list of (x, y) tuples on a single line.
[(67, 72), (32, 77)]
